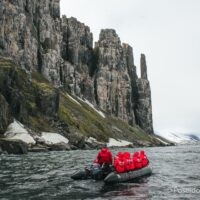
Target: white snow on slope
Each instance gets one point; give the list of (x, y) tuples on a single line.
[(17, 131), (53, 138), (92, 106), (91, 140), (74, 100), (88, 103), (118, 143), (178, 137), (161, 140)]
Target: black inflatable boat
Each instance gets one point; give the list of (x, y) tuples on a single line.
[(97, 173), (115, 177)]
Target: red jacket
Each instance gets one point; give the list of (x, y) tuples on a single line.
[(120, 166), (127, 154), (116, 160), (144, 159), (137, 160), (104, 156), (130, 164), (119, 163)]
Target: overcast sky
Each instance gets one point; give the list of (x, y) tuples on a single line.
[(168, 32)]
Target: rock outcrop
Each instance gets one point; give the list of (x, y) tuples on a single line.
[(5, 115), (143, 108), (113, 84), (30, 34), (77, 53), (34, 36), (16, 131), (13, 146)]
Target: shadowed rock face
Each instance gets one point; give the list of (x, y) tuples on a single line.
[(61, 49), (77, 52), (5, 115), (24, 93), (13, 146)]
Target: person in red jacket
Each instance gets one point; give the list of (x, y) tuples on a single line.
[(104, 156), (137, 160), (144, 159), (126, 160), (116, 159), (104, 159), (119, 164), (129, 164)]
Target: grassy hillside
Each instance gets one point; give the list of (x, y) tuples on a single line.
[(84, 119)]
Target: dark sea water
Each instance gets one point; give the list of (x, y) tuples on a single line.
[(176, 175)]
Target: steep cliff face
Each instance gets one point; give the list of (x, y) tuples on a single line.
[(30, 34), (61, 49), (113, 84), (143, 108), (77, 52), (27, 98)]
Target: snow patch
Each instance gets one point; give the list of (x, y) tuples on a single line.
[(53, 138), (118, 143), (178, 138), (17, 131), (161, 140), (91, 140), (74, 100), (92, 106)]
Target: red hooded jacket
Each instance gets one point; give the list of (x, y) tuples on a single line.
[(128, 161), (137, 160), (129, 164), (144, 159), (104, 156), (119, 163)]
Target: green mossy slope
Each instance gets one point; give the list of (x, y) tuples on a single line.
[(84, 119), (23, 93)]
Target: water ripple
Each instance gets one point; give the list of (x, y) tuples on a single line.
[(47, 176)]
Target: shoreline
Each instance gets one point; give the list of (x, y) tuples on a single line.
[(19, 147)]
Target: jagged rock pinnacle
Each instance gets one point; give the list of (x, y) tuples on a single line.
[(143, 67)]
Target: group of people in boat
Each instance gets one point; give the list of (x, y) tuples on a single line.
[(123, 161)]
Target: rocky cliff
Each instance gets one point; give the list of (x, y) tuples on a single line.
[(112, 79), (35, 39), (78, 59), (30, 33)]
